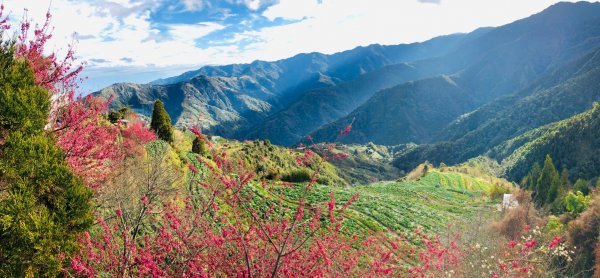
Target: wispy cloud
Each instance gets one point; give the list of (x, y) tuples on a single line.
[(193, 5)]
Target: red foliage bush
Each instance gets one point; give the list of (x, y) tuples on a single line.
[(225, 227), (135, 135), (91, 145)]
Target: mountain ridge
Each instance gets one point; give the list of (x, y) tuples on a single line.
[(494, 75), (271, 79)]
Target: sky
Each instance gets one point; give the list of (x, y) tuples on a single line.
[(142, 40)]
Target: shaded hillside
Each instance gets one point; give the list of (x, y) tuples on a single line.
[(568, 91), (573, 143), (412, 112), (581, 71), (321, 106)]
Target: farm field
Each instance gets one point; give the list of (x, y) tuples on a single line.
[(432, 202)]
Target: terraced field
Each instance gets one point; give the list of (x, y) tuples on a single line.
[(432, 202)]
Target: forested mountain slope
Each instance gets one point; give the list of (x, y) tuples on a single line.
[(566, 92), (505, 60)]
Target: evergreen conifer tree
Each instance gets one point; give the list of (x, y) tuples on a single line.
[(161, 122), (43, 205), (548, 177), (553, 190), (558, 206)]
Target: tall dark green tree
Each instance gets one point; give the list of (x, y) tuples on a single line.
[(554, 190), (547, 180), (558, 205), (161, 122), (43, 205), (530, 181)]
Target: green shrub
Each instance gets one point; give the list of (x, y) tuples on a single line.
[(576, 203), (45, 207), (554, 226), (297, 175), (23, 105), (199, 147), (115, 115), (272, 174), (583, 186), (498, 190)]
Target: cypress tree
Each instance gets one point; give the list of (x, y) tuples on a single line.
[(548, 176), (43, 205), (553, 190), (199, 147), (530, 181), (161, 122), (536, 171), (24, 106), (558, 206)]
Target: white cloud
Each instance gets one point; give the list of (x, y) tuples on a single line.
[(292, 9), (187, 31), (193, 5), (111, 38), (254, 4)]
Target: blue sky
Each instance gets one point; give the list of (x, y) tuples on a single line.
[(142, 40)]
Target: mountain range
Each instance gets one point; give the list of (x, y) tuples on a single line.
[(512, 93), (233, 98)]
